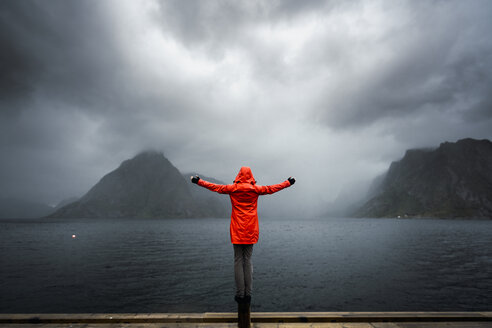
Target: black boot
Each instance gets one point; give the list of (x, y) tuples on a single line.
[(243, 312)]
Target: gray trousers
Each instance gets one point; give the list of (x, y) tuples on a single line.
[(243, 269)]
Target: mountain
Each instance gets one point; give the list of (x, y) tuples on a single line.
[(13, 208), (451, 181), (146, 186)]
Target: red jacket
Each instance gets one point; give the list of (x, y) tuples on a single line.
[(244, 199)]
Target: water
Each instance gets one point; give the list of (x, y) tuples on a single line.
[(186, 265)]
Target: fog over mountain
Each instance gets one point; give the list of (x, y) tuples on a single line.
[(11, 208), (327, 91)]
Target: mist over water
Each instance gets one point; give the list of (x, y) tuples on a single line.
[(299, 265)]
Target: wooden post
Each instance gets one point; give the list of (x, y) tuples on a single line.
[(243, 315)]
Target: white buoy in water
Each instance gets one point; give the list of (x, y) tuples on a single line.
[(73, 236)]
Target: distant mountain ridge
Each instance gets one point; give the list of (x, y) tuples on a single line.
[(451, 181), (146, 186)]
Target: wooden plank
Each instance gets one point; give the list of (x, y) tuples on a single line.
[(260, 325), (471, 324), (107, 318), (368, 316), (256, 317)]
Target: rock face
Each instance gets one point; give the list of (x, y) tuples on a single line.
[(452, 181), (146, 186)]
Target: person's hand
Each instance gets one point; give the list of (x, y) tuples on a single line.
[(291, 180), (195, 179)]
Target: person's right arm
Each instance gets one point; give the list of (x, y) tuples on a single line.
[(221, 189)]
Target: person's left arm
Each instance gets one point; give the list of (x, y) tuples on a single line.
[(264, 190)]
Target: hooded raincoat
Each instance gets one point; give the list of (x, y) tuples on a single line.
[(244, 194)]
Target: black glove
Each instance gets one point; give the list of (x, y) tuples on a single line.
[(195, 179), (291, 180)]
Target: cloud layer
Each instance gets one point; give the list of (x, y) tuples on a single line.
[(328, 91)]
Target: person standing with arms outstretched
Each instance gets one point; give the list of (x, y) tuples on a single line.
[(244, 228)]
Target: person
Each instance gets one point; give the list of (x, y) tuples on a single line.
[(244, 228)]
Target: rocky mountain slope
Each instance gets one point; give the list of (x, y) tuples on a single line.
[(452, 181)]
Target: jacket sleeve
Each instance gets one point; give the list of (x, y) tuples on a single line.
[(221, 189), (263, 190)]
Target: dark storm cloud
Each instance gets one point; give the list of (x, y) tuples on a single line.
[(435, 53), (49, 67), (65, 82), (287, 87), (220, 22), (442, 60), (61, 50), (61, 77), (67, 53)]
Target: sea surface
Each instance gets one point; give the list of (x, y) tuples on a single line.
[(186, 265)]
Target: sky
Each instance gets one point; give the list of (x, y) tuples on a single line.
[(330, 92)]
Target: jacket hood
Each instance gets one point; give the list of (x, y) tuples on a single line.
[(245, 176)]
